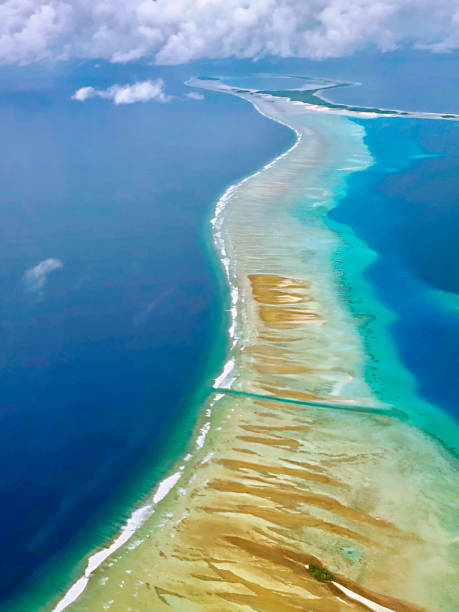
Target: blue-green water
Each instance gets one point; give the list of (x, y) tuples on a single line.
[(404, 207)]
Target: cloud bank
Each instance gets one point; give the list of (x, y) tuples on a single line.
[(176, 31), (35, 278), (143, 91)]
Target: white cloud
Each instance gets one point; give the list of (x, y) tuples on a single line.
[(84, 93), (194, 95), (176, 31), (35, 278), (143, 91)]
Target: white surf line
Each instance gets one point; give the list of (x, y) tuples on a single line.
[(216, 223), (227, 369), (203, 434), (363, 600), (137, 518)]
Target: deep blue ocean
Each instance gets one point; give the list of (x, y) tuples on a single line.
[(99, 364)]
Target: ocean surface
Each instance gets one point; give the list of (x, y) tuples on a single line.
[(104, 362), (100, 355)]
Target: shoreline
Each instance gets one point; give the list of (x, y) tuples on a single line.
[(219, 245), (308, 95), (240, 304)]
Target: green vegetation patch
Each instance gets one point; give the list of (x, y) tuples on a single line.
[(312, 96), (320, 573)]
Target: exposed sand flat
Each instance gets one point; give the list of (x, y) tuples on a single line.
[(242, 530)]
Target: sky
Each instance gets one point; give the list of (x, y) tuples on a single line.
[(177, 31)]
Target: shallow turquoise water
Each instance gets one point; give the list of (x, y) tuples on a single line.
[(404, 208)]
